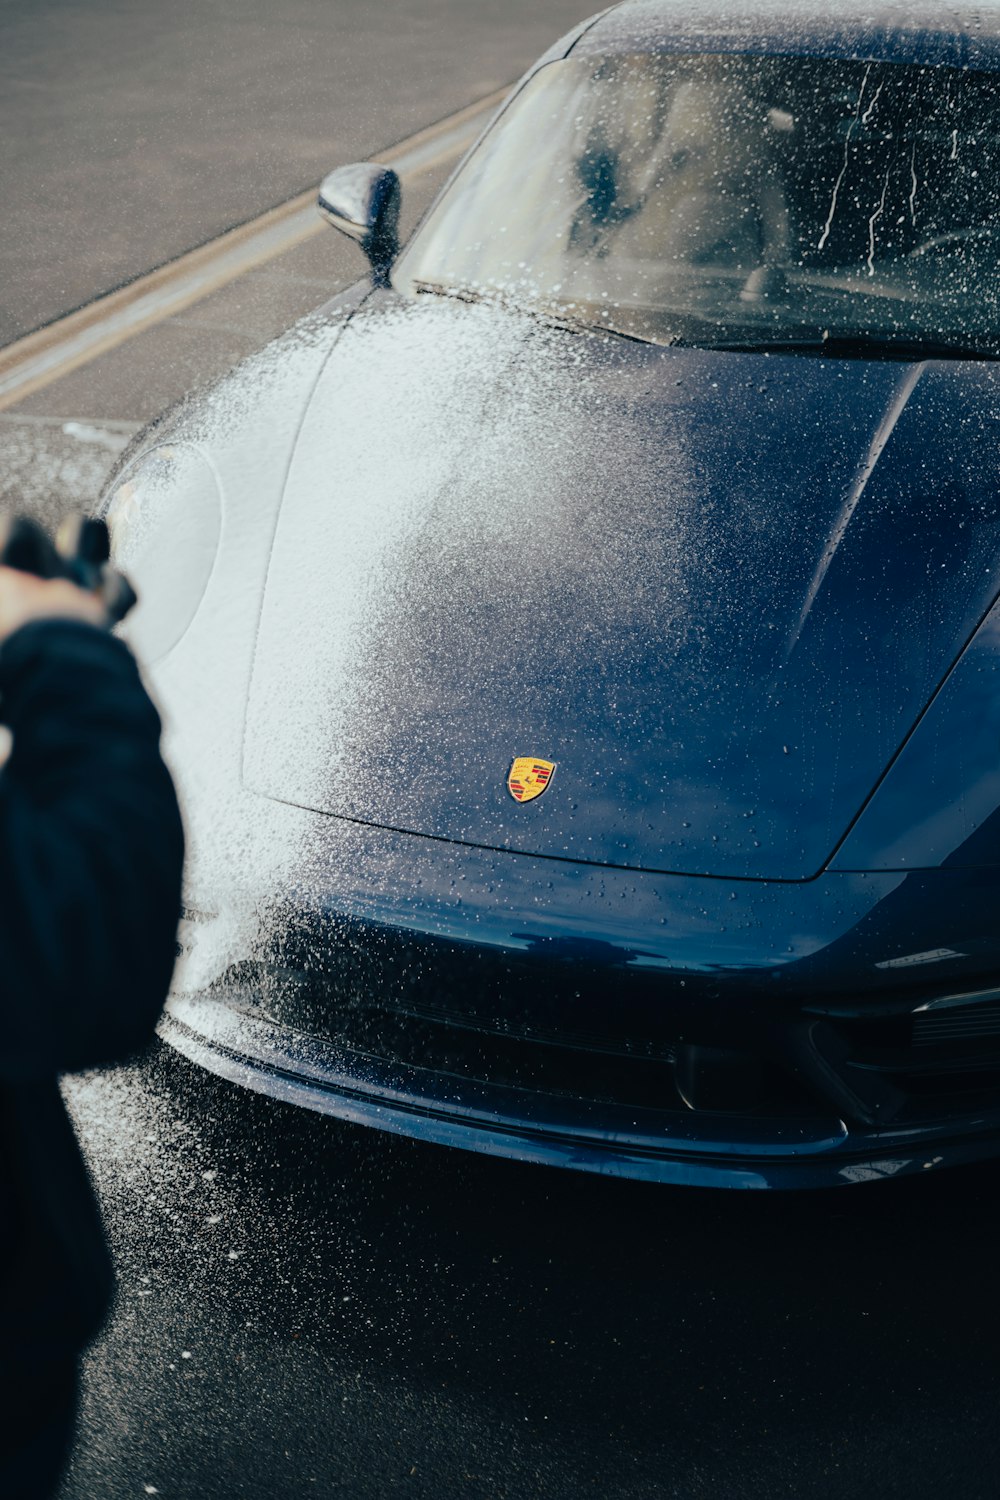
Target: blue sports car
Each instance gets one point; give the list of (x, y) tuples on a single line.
[(579, 642)]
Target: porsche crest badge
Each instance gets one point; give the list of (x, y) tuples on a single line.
[(528, 777)]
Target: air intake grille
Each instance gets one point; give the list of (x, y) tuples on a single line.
[(957, 1024)]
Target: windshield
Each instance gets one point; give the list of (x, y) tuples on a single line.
[(735, 199)]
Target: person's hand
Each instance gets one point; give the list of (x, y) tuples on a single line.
[(24, 597)]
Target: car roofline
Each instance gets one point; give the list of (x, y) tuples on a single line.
[(852, 32)]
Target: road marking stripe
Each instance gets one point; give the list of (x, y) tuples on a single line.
[(48, 354)]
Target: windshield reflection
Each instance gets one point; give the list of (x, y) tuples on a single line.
[(739, 199)]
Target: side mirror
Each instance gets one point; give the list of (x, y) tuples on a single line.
[(362, 201)]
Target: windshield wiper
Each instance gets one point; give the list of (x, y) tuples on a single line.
[(846, 345), (555, 317), (459, 293), (862, 345)]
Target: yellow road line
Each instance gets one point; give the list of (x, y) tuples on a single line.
[(47, 355)]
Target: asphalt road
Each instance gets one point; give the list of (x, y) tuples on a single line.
[(133, 130), (308, 1308)]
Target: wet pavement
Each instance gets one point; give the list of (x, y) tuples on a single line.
[(308, 1308)]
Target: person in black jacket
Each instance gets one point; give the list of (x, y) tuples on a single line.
[(90, 863)]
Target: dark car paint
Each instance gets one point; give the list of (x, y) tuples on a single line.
[(721, 643), (514, 984), (513, 967), (938, 803)]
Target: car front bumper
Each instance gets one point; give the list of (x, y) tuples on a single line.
[(691, 1148), (665, 1027)]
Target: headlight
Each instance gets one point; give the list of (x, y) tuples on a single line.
[(165, 516)]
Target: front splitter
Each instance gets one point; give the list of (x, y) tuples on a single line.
[(690, 1149)]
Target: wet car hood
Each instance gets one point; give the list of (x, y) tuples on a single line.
[(716, 589)]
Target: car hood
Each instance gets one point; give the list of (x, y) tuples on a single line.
[(716, 589)]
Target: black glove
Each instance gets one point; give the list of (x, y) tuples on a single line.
[(80, 553)]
